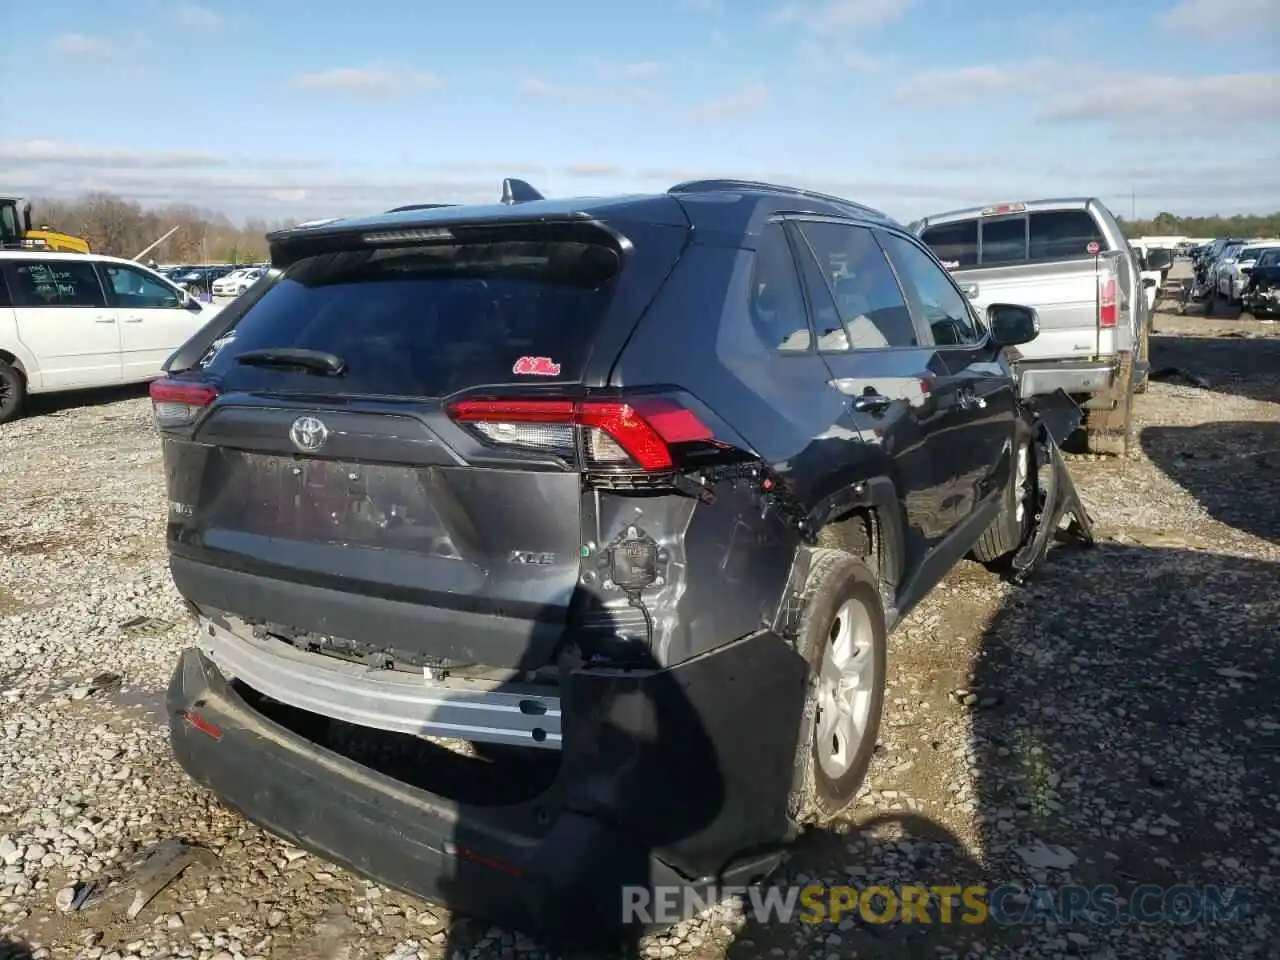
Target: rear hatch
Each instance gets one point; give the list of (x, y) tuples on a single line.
[(388, 444)]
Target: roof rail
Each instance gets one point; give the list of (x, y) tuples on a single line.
[(518, 191), (420, 206), (727, 184)]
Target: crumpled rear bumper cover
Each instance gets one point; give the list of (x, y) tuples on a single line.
[(676, 777)]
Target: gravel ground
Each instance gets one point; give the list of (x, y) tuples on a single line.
[(1121, 712)]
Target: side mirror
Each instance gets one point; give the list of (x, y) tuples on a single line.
[(190, 303), (1149, 281), (1012, 324)]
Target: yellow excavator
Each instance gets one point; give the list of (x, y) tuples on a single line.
[(16, 232)]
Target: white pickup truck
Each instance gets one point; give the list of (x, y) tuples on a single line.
[(70, 321), (1069, 260)]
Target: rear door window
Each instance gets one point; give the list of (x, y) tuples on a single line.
[(862, 285), (955, 244), (1063, 235), (55, 283), (427, 321)]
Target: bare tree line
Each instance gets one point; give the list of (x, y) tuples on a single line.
[(122, 228)]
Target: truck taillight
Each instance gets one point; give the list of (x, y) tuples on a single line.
[(616, 433), (1108, 310), (177, 403)]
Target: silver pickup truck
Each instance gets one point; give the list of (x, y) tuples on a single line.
[(1070, 260)]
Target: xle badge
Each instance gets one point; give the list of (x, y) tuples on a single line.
[(528, 557), (537, 367)]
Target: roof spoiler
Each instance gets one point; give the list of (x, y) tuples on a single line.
[(518, 191)]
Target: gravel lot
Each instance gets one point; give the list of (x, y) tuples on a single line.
[(1123, 708)]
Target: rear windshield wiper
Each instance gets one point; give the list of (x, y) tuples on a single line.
[(313, 361)]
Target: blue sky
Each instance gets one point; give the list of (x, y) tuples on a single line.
[(320, 108)]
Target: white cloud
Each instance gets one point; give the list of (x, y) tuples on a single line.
[(1152, 104), (748, 98), (51, 153), (192, 16), (1222, 20), (376, 81), (827, 15), (965, 85), (83, 45)]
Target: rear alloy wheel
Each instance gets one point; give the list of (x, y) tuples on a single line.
[(13, 390), (843, 638)]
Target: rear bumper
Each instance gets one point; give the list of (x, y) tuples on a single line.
[(1073, 377), (676, 777)]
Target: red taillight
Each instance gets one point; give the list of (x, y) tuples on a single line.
[(177, 403), (1108, 312), (619, 433)]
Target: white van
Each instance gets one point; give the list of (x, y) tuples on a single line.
[(69, 321)]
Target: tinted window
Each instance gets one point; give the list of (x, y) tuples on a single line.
[(943, 307), (955, 244), (1269, 258), (1063, 234), (861, 282), (430, 320), (133, 288), (1250, 253), (10, 230), (777, 304), (55, 283), (1004, 241)]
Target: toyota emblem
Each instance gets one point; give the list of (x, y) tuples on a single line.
[(308, 434)]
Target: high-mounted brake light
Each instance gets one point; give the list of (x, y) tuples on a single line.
[(176, 403), (408, 236), (1108, 311), (1001, 209), (636, 432)]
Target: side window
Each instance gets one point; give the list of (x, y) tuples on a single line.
[(133, 288), (55, 283), (1004, 241), (777, 304), (955, 244), (1063, 234), (861, 282), (945, 309)]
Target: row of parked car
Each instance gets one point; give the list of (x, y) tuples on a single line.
[(221, 280), (1238, 272)]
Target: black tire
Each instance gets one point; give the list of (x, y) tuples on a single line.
[(13, 392), (835, 579), (1007, 531)]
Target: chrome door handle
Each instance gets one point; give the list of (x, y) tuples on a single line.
[(104, 320), (871, 403), (134, 320)]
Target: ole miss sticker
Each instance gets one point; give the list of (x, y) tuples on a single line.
[(537, 367), (1093, 247)]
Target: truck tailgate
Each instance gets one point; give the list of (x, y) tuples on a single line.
[(1065, 294)]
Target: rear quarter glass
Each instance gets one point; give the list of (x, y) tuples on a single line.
[(428, 320)]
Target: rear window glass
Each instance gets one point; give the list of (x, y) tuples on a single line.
[(427, 321), (1004, 241), (955, 244), (1063, 234)]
